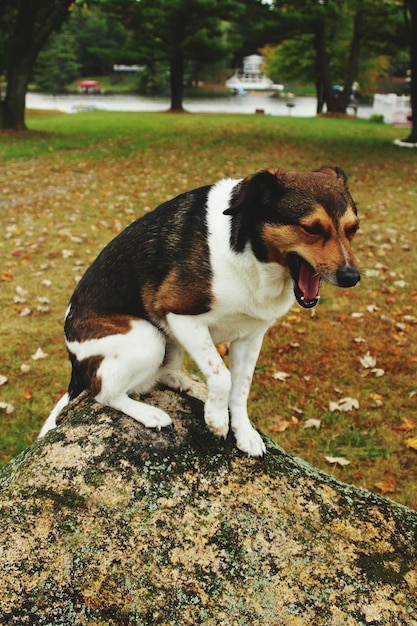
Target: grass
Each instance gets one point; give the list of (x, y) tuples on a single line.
[(71, 182)]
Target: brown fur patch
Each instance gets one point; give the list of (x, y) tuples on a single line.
[(179, 294), (95, 327), (89, 367)]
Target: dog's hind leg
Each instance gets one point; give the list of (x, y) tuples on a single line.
[(243, 355), (171, 373), (127, 362)]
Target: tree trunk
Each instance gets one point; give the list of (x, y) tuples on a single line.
[(323, 67), (176, 79), (33, 22), (411, 6), (344, 99), (337, 102), (106, 522), (13, 106), (320, 98)]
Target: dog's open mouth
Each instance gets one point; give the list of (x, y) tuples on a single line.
[(306, 281)]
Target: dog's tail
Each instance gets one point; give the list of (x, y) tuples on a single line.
[(51, 421), (75, 387)]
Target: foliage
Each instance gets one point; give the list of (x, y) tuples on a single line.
[(176, 31), (57, 64), (333, 43), (73, 181), (101, 40)]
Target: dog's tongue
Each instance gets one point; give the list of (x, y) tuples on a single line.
[(308, 281)]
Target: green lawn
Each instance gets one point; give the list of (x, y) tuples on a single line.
[(71, 182)]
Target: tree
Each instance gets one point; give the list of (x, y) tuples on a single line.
[(176, 31), (333, 38), (25, 26), (101, 40), (106, 522), (410, 14), (57, 64)]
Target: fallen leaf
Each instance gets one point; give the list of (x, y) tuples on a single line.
[(3, 379), (39, 354), (406, 426), (281, 376), (367, 361), (388, 485), (222, 348), (378, 371), (24, 368), (344, 404), (411, 443), (280, 426), (337, 460), (27, 394), (312, 423), (9, 408)]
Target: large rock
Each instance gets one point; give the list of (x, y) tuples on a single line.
[(106, 523)]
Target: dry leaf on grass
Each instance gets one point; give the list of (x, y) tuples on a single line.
[(388, 485), (9, 408), (39, 354), (281, 376), (406, 426), (411, 443), (344, 404), (367, 361), (337, 460), (312, 423)]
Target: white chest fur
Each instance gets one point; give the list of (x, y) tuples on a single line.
[(247, 293)]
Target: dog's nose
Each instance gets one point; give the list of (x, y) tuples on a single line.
[(347, 276)]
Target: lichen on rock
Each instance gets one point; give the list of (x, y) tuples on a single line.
[(107, 523)]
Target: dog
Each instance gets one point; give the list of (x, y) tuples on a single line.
[(217, 264)]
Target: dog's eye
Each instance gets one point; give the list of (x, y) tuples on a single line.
[(314, 229), (351, 231)]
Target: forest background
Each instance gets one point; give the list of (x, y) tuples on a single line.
[(331, 44)]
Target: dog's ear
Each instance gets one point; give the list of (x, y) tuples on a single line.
[(337, 172), (258, 190)]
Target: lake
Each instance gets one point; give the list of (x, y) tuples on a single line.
[(250, 103)]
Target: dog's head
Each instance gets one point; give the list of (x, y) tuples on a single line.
[(302, 220)]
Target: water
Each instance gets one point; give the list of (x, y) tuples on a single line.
[(299, 107)]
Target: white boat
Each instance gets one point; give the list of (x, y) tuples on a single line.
[(241, 83), (251, 78)]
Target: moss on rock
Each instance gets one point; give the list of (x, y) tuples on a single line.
[(107, 523)]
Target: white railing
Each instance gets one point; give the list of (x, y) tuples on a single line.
[(394, 109)]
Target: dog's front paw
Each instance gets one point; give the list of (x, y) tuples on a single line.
[(249, 441), (217, 422)]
